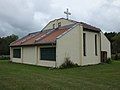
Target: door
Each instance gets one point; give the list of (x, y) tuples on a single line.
[(103, 56)]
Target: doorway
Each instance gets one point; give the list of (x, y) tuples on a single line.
[(103, 56)]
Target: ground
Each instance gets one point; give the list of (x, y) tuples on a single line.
[(26, 77)]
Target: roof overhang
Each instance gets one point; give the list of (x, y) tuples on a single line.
[(42, 44)]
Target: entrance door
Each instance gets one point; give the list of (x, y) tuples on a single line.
[(103, 56)]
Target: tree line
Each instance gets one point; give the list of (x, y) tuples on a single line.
[(5, 42)]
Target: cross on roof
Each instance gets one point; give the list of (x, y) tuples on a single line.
[(67, 13)]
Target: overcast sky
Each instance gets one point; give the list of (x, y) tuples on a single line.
[(21, 17)]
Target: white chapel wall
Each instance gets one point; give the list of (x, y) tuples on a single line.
[(90, 57), (105, 45), (29, 55), (68, 46)]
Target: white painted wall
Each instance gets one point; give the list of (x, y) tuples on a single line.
[(29, 55), (17, 60), (69, 46), (46, 63), (105, 45), (90, 57), (63, 21)]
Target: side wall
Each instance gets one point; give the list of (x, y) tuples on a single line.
[(90, 57), (68, 46), (31, 55), (105, 45)]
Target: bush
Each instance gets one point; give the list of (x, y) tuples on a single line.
[(4, 57), (109, 61), (116, 56), (68, 63)]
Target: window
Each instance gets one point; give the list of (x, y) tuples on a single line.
[(53, 26), (48, 53), (96, 45), (84, 44), (59, 24), (16, 53)]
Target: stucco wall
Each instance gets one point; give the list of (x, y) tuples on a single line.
[(90, 57), (105, 45), (68, 46), (56, 21), (29, 55), (17, 60), (46, 63)]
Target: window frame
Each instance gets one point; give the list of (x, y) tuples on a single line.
[(18, 55), (45, 56)]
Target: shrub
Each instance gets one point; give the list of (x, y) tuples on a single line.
[(68, 63), (109, 61), (4, 57), (116, 56)]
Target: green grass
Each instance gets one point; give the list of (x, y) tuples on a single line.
[(25, 77)]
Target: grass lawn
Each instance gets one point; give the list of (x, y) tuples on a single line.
[(25, 77)]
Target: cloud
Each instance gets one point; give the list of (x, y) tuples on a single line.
[(24, 16)]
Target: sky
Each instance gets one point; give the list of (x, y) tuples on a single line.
[(21, 17)]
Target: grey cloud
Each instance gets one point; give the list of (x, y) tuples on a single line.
[(23, 16), (107, 17)]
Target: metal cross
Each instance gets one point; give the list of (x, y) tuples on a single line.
[(67, 13)]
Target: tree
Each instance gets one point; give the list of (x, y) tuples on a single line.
[(110, 36), (5, 42), (116, 44)]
